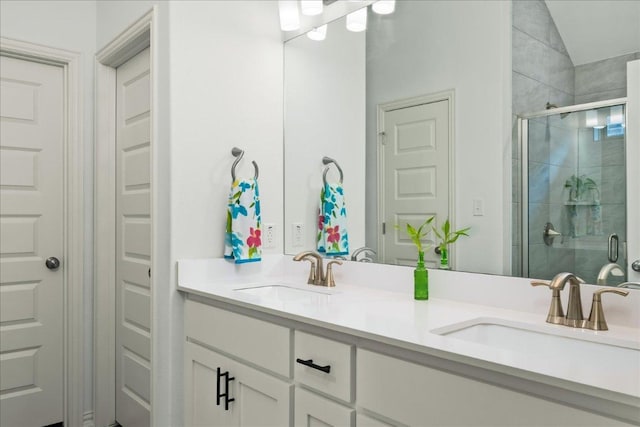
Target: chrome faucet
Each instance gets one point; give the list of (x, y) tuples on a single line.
[(316, 274)]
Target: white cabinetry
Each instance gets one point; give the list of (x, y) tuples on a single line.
[(312, 410), (417, 395)]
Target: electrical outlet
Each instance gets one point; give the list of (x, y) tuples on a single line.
[(298, 234), (269, 239)]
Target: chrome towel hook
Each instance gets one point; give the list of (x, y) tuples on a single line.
[(238, 154), (327, 160)]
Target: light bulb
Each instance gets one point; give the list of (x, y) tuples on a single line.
[(318, 34), (289, 19), (384, 7), (357, 21), (311, 7)]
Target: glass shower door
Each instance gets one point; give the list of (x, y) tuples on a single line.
[(574, 201)]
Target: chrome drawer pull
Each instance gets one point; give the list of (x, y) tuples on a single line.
[(310, 364)]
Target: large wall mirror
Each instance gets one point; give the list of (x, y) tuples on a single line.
[(416, 112)]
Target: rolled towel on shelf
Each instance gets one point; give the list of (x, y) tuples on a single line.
[(332, 238), (243, 242)]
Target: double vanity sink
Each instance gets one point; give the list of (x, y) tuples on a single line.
[(506, 339)]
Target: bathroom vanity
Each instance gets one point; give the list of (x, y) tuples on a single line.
[(262, 347)]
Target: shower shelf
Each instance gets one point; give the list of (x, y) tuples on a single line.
[(582, 203)]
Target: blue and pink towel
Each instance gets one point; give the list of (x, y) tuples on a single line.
[(243, 241), (332, 238)]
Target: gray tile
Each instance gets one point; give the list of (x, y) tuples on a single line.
[(589, 151), (560, 98), (528, 95), (614, 220), (538, 146), (558, 176), (601, 96), (538, 262), (555, 39), (613, 186), (589, 262), (530, 56), (538, 217), (613, 152), (602, 76), (561, 71), (560, 260), (516, 261), (538, 182), (563, 146), (515, 138), (532, 17)]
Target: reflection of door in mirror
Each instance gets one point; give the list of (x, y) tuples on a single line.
[(576, 180), (414, 176)]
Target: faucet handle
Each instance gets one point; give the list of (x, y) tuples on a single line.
[(329, 281), (312, 271), (596, 320), (556, 313)]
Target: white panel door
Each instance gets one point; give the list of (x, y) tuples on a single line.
[(31, 200), (416, 176), (133, 243)]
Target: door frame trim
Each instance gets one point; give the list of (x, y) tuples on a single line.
[(73, 218), (382, 109), (137, 37)]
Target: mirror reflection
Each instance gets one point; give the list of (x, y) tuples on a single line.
[(412, 110)]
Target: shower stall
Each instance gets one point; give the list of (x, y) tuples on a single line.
[(573, 198)]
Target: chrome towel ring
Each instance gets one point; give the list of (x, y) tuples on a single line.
[(238, 153), (328, 160)]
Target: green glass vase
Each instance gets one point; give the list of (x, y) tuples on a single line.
[(444, 259), (420, 279)]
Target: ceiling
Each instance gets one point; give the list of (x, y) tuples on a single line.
[(593, 30)]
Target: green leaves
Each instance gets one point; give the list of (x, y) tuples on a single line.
[(416, 235), (446, 236)]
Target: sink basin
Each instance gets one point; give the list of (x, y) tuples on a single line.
[(545, 342), (286, 293)]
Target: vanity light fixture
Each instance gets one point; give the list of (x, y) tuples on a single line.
[(384, 7), (319, 33), (289, 18), (311, 7), (357, 21)]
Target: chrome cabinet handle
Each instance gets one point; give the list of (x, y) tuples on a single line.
[(52, 263)]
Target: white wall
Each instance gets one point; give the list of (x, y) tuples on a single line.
[(461, 45), (67, 25), (633, 172), (325, 114)]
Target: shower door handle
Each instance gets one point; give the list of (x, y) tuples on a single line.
[(612, 253)]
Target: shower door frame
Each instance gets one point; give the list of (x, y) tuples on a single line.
[(523, 143)]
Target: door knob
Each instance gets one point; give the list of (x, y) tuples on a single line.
[(52, 263), (636, 265)]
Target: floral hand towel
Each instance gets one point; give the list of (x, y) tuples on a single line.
[(243, 242), (332, 221)]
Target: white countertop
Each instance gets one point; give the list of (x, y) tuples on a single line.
[(388, 313)]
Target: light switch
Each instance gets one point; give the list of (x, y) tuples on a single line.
[(478, 207)]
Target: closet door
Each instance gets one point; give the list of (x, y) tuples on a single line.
[(133, 242)]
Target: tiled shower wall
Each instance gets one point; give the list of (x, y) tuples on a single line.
[(543, 72)]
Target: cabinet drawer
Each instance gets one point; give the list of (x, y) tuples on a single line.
[(323, 353), (416, 395), (313, 410), (256, 341)]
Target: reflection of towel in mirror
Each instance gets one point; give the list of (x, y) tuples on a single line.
[(332, 236), (243, 242)]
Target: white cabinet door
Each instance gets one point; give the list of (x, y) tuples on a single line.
[(254, 398), (312, 410), (416, 395)]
